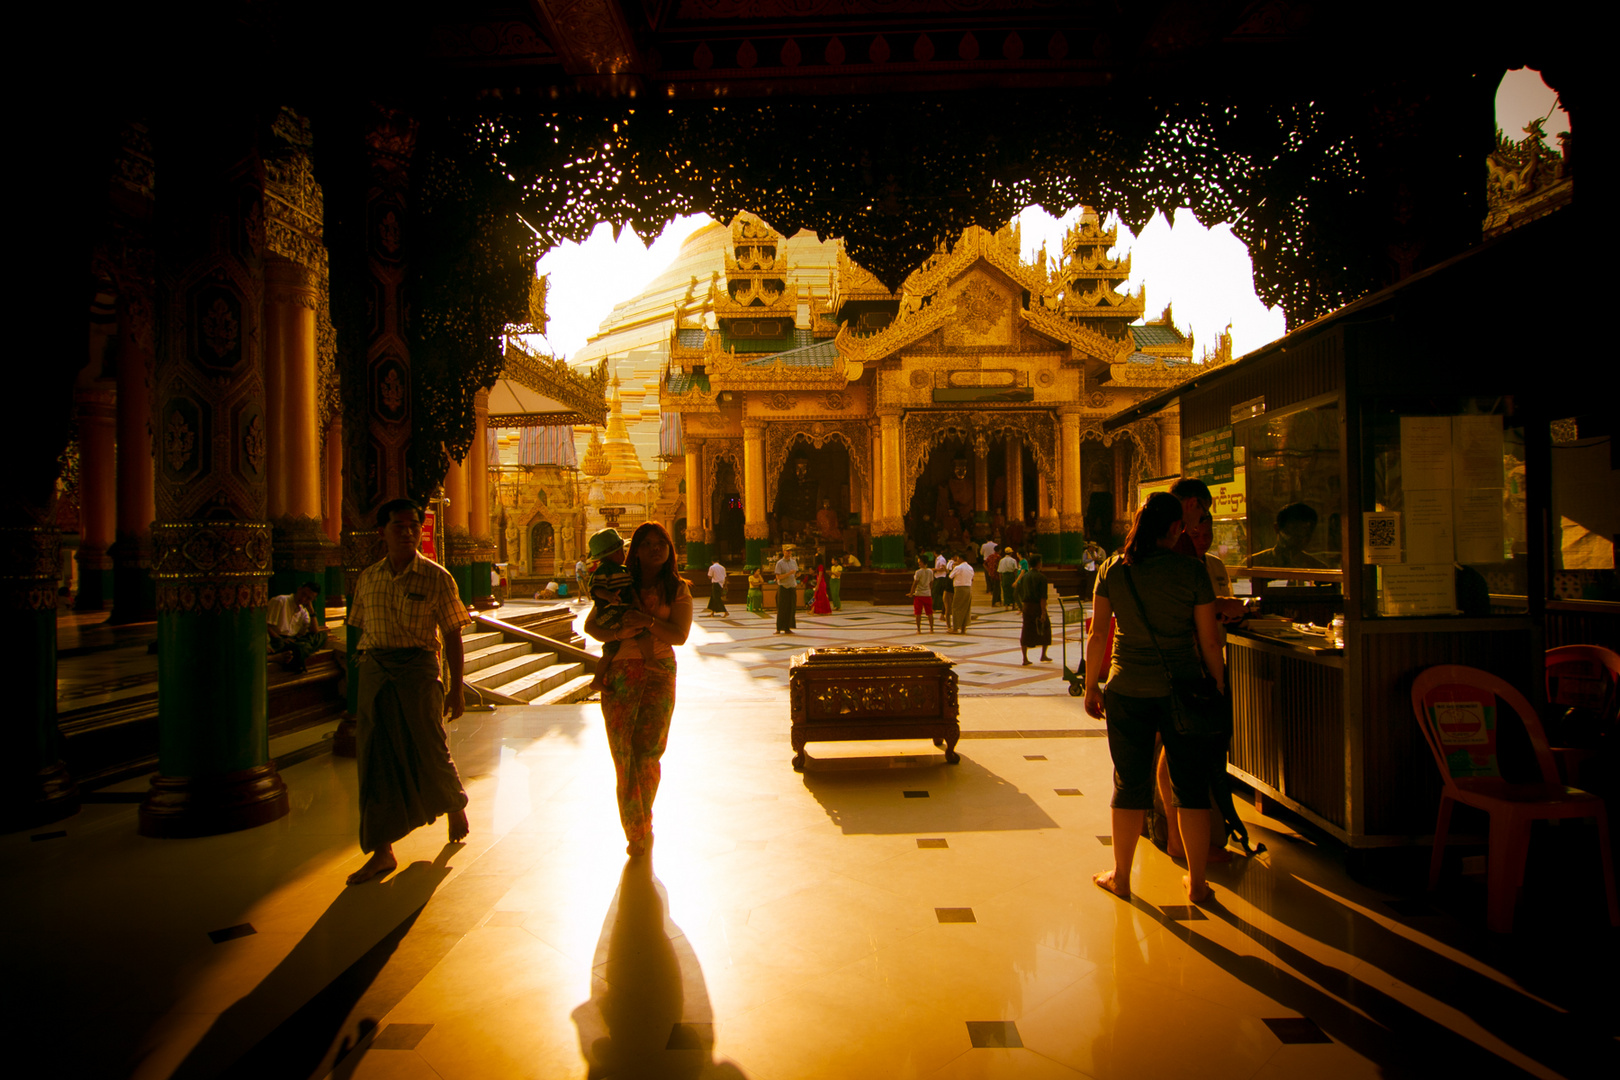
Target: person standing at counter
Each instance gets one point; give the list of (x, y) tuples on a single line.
[(1148, 587), (1296, 524)]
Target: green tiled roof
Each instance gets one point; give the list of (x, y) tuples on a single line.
[(1155, 335), (679, 382), (817, 354)]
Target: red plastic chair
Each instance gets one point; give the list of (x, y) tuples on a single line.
[(1587, 676), (1456, 709)]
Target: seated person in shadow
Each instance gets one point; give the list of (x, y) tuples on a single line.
[(295, 633), (1295, 523)]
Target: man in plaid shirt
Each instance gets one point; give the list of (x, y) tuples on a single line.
[(402, 605)]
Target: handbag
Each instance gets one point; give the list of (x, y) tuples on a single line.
[(1197, 705)]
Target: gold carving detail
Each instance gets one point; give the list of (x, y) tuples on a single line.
[(253, 443), (925, 430), (178, 441), (583, 391), (219, 328)]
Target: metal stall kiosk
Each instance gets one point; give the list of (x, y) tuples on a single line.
[(1391, 463)]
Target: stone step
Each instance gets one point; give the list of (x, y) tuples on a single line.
[(575, 689), (496, 676), (478, 639), (536, 683), (494, 654)]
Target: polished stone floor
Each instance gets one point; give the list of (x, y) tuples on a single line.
[(881, 915)]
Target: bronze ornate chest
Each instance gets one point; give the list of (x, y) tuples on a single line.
[(873, 692)]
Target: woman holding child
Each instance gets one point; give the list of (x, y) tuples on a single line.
[(638, 694)]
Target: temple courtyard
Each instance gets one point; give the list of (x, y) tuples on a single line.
[(882, 914)]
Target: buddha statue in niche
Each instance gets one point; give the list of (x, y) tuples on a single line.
[(827, 522)]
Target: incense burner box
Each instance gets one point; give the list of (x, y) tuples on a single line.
[(873, 692)]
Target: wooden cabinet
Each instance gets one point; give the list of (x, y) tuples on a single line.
[(873, 692)]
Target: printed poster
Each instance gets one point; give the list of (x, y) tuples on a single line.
[(1481, 534), (1417, 589), (1476, 451), (1425, 453), (1429, 529), (1381, 536), (1467, 734)]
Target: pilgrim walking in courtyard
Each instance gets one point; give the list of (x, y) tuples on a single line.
[(638, 695), (404, 605), (717, 588), (787, 591)]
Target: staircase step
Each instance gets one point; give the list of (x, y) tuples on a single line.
[(575, 689), (481, 639), (494, 654), (536, 683), (496, 676)]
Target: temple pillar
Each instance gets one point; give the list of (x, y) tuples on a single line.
[(134, 596), (454, 534), (211, 543), (1122, 485), (756, 530), (35, 785), (1071, 514), (483, 546), (293, 472), (1170, 440), (888, 528), (981, 489), (368, 240), (1015, 481), (332, 504), (697, 507), (97, 416)]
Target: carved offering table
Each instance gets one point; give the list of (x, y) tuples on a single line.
[(873, 692)]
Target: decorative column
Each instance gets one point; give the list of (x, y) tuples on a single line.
[(1015, 481), (332, 503), (368, 237), (1071, 515), (293, 471), (211, 544), (98, 494), (1048, 539), (134, 595), (888, 529), (755, 528), (697, 507), (453, 525), (1122, 484), (483, 545), (1170, 439), (981, 487), (35, 786)]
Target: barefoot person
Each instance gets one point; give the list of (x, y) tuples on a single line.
[(1178, 603), (402, 605), (638, 695)]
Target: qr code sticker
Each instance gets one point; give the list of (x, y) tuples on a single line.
[(1381, 532)]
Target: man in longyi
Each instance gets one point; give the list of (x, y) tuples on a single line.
[(403, 604)]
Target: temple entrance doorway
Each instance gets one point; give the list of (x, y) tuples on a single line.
[(726, 513), (812, 500), (941, 506), (542, 549)]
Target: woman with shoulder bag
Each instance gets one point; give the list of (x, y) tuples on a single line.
[(1163, 606)]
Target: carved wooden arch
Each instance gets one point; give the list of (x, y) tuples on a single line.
[(1130, 434), (716, 451), (781, 437), (923, 431)]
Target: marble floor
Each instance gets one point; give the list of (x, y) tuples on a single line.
[(880, 915)]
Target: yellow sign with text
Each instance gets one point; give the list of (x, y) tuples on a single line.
[(1231, 498)]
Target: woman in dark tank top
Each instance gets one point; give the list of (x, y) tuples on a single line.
[(1131, 689)]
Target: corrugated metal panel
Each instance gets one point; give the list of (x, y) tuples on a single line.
[(1288, 727), (1305, 371)]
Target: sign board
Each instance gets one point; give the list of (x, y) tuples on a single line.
[(429, 519), (1231, 497), (1152, 486), (1245, 409), (1208, 457)]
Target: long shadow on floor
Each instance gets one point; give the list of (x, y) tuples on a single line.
[(286, 1025), (649, 1015), (966, 797), (1572, 1042)]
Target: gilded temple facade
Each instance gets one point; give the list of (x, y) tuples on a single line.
[(969, 403)]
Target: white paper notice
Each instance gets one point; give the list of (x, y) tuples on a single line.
[(1429, 537), (1479, 524), (1476, 451), (1425, 452), (1417, 589), (1381, 536)]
